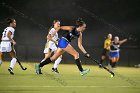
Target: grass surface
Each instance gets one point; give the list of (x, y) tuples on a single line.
[(127, 80)]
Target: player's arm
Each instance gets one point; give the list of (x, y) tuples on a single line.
[(9, 36), (56, 30), (66, 28), (52, 33), (49, 38), (122, 41), (81, 46)]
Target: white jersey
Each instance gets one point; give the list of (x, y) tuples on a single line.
[(6, 45), (5, 32), (55, 36), (50, 44)]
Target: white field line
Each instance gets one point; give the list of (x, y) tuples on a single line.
[(68, 86)]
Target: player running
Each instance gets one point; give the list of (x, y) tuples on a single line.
[(7, 44), (105, 53), (64, 45), (115, 51), (50, 46)]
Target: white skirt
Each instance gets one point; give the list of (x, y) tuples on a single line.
[(50, 45), (5, 47)]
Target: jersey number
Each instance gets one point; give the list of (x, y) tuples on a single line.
[(5, 33)]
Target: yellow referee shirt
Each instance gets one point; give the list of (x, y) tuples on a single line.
[(107, 43)]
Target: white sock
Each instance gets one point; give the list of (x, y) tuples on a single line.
[(13, 62), (57, 62), (0, 62)]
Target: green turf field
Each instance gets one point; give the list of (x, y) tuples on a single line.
[(127, 80)]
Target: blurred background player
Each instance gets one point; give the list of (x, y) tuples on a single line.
[(50, 46), (115, 51), (105, 53), (64, 45), (7, 43)]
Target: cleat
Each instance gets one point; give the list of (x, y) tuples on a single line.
[(84, 72), (55, 70), (100, 66), (37, 69), (11, 71)]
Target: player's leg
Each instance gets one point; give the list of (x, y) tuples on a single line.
[(112, 59), (13, 62), (58, 53), (57, 62), (103, 57), (49, 60), (115, 63), (47, 52), (2, 50), (75, 54), (116, 56)]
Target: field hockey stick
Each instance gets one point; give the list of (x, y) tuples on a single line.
[(97, 62), (23, 68)]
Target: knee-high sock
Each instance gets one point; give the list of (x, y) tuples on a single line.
[(101, 61), (78, 63), (13, 62), (110, 63), (113, 64), (47, 61), (57, 62)]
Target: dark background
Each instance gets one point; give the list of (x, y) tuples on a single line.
[(34, 18)]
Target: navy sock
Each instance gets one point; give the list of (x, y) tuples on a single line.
[(47, 61), (101, 61), (78, 63), (113, 64)]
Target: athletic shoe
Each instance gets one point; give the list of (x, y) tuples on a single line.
[(11, 71), (55, 70), (38, 69), (84, 72), (100, 66)]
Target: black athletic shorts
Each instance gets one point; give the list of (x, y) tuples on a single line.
[(105, 52)]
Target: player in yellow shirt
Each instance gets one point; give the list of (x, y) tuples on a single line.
[(105, 53)]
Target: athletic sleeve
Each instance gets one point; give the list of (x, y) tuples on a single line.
[(11, 30), (51, 31)]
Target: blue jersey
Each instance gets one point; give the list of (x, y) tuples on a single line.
[(66, 38), (72, 34), (114, 47)]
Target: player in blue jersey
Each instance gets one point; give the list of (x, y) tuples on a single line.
[(115, 51), (64, 45)]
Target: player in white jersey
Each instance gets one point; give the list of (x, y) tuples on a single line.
[(7, 44), (51, 45)]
